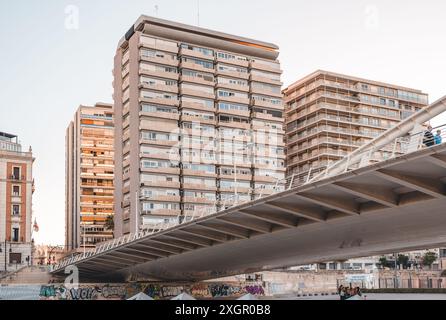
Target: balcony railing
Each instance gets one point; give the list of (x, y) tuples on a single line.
[(17, 178)]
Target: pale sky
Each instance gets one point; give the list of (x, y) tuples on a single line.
[(50, 63)]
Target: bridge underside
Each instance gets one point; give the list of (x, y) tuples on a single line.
[(395, 205)]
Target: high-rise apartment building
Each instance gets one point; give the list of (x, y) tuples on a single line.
[(329, 115), (89, 177), (16, 190), (199, 122)]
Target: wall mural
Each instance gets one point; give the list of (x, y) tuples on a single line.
[(156, 291)]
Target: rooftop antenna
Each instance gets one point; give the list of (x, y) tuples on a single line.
[(198, 12), (156, 10)]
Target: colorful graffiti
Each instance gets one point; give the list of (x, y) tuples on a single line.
[(156, 291)]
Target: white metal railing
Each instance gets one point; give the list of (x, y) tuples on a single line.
[(398, 147)]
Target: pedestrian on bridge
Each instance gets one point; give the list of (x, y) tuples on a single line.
[(428, 139), (438, 138)]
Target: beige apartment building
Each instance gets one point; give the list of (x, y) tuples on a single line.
[(329, 115), (89, 176), (16, 190), (199, 122)]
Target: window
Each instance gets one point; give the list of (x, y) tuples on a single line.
[(196, 74), (232, 81), (158, 68), (16, 173), (16, 210), (202, 63), (153, 108), (205, 51), (202, 102), (157, 54), (16, 191), (266, 87), (225, 93), (15, 234), (226, 68), (231, 106), (229, 56)]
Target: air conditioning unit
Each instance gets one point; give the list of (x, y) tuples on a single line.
[(146, 212)]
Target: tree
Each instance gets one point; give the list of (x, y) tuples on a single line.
[(429, 258), (383, 262), (110, 223), (403, 260)]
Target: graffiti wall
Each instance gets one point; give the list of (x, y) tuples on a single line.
[(156, 291)]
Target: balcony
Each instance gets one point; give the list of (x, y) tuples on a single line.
[(233, 74), (233, 124), (163, 115), (266, 92), (159, 74), (241, 113), (266, 116), (164, 198), (159, 87), (175, 157), (161, 184), (197, 93), (269, 167), (265, 179), (235, 62), (162, 212), (268, 139), (240, 100), (231, 86), (198, 132), (163, 101), (196, 67), (163, 126), (267, 104), (157, 46), (239, 189), (199, 186), (265, 80), (239, 163), (158, 60), (16, 197), (174, 171), (196, 106), (196, 80), (97, 185), (17, 178), (198, 119), (199, 200), (232, 177), (195, 54), (264, 67), (190, 172), (167, 143)]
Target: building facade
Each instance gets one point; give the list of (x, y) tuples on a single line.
[(329, 115), (16, 190), (89, 177), (199, 122)]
